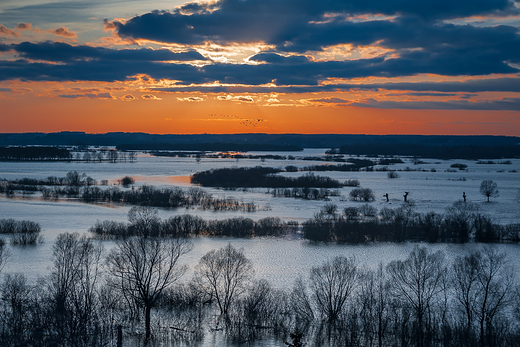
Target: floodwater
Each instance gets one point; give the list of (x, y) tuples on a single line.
[(433, 186)]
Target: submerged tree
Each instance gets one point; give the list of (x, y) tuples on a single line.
[(418, 281), (72, 288), (144, 221), (332, 284), (143, 268), (224, 275), (4, 253)]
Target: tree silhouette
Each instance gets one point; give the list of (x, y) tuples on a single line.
[(143, 268), (224, 275), (488, 188)]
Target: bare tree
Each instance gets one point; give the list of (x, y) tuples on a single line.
[(301, 304), (75, 179), (332, 284), (144, 220), (143, 268), (418, 281), (16, 295), (4, 254), (224, 275), (374, 301), (132, 156), (495, 283), (72, 286), (464, 280), (483, 287), (489, 189)]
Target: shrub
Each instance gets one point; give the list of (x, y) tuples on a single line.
[(362, 194), (351, 183), (459, 166), (392, 174), (126, 181)]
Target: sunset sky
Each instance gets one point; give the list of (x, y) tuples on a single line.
[(267, 66)]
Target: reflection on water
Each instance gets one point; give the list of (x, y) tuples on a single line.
[(278, 260)]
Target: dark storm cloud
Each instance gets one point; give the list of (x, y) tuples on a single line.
[(422, 41), (505, 104), (64, 52), (107, 71), (276, 21)]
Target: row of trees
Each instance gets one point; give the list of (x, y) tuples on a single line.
[(109, 155), (140, 285), (461, 222), (144, 221), (42, 153), (33, 153)]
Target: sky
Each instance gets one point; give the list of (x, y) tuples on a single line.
[(261, 66)]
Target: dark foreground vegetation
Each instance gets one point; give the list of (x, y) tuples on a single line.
[(86, 189), (461, 223), (138, 294)]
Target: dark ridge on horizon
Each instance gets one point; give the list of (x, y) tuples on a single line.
[(70, 138)]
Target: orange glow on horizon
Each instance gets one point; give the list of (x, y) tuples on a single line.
[(127, 107)]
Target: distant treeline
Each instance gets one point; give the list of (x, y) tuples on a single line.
[(231, 147), (191, 226), (259, 177), (461, 223), (70, 138), (85, 188), (165, 197), (473, 152), (37, 153), (303, 193), (33, 153)]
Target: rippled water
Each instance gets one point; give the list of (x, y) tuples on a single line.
[(280, 261)]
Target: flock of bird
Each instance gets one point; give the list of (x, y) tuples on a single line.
[(243, 121)]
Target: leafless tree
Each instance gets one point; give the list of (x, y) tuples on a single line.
[(144, 220), (418, 281), (16, 296), (75, 179), (224, 275), (143, 268), (301, 304), (132, 156), (4, 254), (72, 286), (483, 286), (332, 285), (489, 189), (464, 279), (495, 283), (374, 305)]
